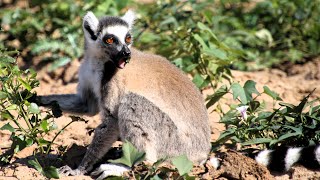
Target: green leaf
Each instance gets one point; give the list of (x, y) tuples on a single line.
[(257, 141), (238, 91), (198, 80), (156, 177), (187, 177), (25, 84), (44, 125), (272, 94), (35, 163), (7, 59), (250, 88), (296, 129), (47, 45), (217, 95), (3, 95), (302, 104), (220, 54), (254, 105), (265, 34), (201, 41), (43, 142), (6, 115), (170, 20), (244, 93), (314, 110), (19, 143), (59, 62), (8, 127), (131, 155), (191, 67), (288, 135), (12, 107), (290, 106), (226, 134), (49, 172), (206, 28), (29, 142), (183, 164), (34, 108)]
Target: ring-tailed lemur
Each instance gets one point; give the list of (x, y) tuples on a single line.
[(148, 101)]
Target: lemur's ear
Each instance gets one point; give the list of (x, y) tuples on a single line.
[(129, 17), (90, 25)]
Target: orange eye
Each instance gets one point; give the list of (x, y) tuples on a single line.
[(128, 39), (110, 40)]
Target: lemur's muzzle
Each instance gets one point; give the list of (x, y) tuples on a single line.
[(124, 57)]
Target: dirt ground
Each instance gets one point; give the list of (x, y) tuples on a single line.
[(292, 84)]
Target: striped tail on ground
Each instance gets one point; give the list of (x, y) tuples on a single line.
[(283, 158)]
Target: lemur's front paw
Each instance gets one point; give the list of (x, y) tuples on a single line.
[(68, 171), (106, 170)]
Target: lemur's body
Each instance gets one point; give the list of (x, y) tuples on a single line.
[(148, 102)]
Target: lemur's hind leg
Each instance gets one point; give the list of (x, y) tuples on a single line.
[(148, 128)]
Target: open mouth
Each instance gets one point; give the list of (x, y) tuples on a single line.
[(123, 61)]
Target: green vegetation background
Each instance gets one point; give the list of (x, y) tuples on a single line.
[(204, 38), (261, 33)]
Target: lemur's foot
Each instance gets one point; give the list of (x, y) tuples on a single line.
[(106, 170), (68, 171)]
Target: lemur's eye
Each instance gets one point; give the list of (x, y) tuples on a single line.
[(110, 40), (128, 39)]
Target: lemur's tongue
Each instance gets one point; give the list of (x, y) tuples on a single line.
[(122, 63)]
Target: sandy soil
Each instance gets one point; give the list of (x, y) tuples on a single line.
[(296, 82)]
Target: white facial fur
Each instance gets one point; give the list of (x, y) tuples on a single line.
[(119, 31)]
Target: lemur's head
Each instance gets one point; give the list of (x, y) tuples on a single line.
[(110, 37)]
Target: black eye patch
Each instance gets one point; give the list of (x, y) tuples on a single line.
[(128, 39), (110, 39)]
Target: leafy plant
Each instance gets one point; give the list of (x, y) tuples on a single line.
[(267, 33), (131, 155), (271, 32), (249, 123), (203, 38), (25, 121), (131, 158), (183, 164), (50, 171), (183, 32)]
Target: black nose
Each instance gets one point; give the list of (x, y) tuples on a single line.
[(126, 51)]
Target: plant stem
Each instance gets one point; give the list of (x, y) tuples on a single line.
[(25, 117), (49, 147)]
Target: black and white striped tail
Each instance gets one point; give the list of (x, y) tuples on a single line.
[(284, 158)]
